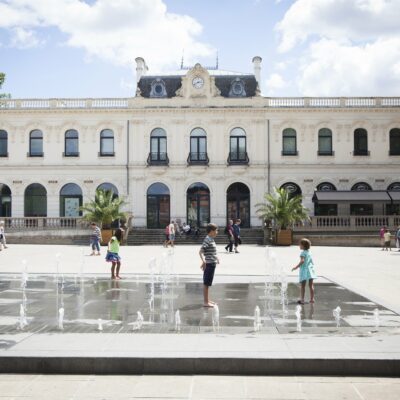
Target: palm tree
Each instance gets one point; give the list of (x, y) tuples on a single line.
[(104, 209), (282, 208)]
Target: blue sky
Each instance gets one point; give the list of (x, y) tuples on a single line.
[(71, 48)]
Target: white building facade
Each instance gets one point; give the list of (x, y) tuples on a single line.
[(199, 145)]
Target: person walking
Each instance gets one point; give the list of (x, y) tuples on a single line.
[(236, 234), (113, 254), (171, 233), (95, 239), (209, 260), (3, 243), (166, 241), (387, 237), (307, 272), (381, 236), (398, 238), (230, 235)]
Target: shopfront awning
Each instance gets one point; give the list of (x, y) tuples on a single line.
[(395, 196), (352, 196)]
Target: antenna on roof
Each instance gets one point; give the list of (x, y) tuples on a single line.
[(183, 53), (216, 62)]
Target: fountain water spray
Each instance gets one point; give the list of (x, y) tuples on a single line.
[(215, 318), (24, 275), (336, 314), (58, 256), (61, 319), (376, 318), (22, 318), (139, 320), (177, 321), (257, 319), (100, 325), (298, 318)]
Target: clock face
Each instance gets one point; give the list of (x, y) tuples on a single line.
[(197, 82)]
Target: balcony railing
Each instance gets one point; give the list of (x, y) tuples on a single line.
[(43, 223), (349, 223), (276, 102), (157, 159), (361, 153), (198, 159), (235, 158)]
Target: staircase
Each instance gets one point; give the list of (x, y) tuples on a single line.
[(141, 237)]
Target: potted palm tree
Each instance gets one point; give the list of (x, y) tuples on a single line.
[(104, 209), (285, 210)]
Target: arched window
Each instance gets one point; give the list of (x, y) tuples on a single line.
[(238, 203), (326, 187), (289, 142), (5, 200), (35, 201), (361, 142), (36, 143), (198, 147), (158, 206), (325, 142), (109, 187), (361, 187), (70, 200), (158, 147), (107, 143), (198, 205), (292, 188), (71, 148), (394, 142), (394, 187), (3, 143), (238, 147)]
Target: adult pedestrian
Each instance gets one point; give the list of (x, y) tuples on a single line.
[(398, 238), (236, 234), (230, 235), (172, 233), (95, 239), (3, 242)]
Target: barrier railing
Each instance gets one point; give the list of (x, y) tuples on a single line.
[(349, 223), (43, 223), (271, 102)]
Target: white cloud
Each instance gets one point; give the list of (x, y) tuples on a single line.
[(350, 47), (342, 20), (116, 31), (275, 82), (24, 39)]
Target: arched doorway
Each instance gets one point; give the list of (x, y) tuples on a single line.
[(70, 200), (238, 203), (198, 205), (5, 200), (109, 187), (35, 203), (158, 206)]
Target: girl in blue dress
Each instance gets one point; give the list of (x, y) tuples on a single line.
[(307, 272)]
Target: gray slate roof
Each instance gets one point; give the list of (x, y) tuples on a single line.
[(173, 83)]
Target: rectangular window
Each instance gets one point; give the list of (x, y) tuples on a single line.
[(107, 146), (36, 147), (289, 146), (361, 209), (325, 145), (3, 148), (71, 147)]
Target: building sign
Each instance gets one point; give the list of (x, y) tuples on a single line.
[(71, 207)]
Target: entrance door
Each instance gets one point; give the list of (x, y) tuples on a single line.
[(198, 205), (158, 206), (238, 203)]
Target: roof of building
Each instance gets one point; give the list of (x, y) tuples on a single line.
[(223, 81)]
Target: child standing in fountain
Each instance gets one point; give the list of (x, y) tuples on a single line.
[(112, 254), (307, 272), (209, 259)]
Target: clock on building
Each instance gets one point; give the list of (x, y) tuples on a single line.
[(198, 82)]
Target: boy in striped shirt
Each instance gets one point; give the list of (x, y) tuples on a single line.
[(208, 255)]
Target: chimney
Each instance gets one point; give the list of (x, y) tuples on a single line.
[(257, 68), (141, 68)]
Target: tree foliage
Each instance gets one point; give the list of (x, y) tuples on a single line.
[(282, 208), (104, 209), (2, 79)]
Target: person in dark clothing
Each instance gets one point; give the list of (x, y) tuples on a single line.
[(230, 235), (236, 234)]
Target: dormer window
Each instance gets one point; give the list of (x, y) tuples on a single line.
[(237, 88), (158, 88)]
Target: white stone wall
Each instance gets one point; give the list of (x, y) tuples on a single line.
[(217, 116)]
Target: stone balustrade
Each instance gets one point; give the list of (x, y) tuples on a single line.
[(277, 102), (42, 223)]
